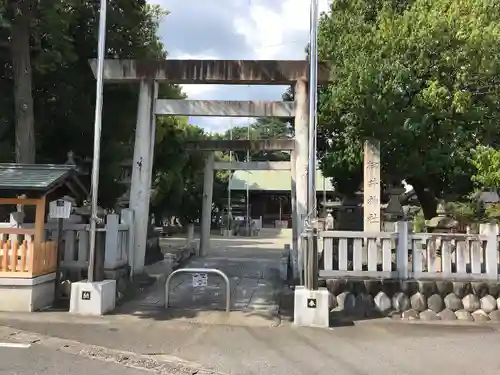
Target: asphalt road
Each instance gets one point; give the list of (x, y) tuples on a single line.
[(364, 349), (38, 360)]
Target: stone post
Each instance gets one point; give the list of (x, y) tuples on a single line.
[(190, 234), (301, 161), (371, 186), (295, 219), (206, 212), (140, 188)]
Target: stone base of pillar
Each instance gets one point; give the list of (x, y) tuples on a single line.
[(311, 307), (97, 298)]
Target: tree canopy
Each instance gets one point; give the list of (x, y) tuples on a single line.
[(62, 36), (262, 128), (419, 75)]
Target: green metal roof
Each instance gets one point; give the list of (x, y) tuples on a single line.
[(272, 181), (32, 176)]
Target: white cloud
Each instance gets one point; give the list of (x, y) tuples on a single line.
[(235, 29), (279, 33), (222, 124)]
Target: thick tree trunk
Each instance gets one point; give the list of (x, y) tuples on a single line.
[(427, 199), (20, 52)]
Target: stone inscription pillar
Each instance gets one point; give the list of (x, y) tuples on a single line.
[(371, 186)]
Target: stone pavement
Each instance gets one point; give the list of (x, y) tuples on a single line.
[(252, 267), (255, 284)]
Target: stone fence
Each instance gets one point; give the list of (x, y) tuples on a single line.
[(426, 276), (412, 299)]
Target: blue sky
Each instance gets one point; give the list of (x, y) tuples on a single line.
[(234, 29)]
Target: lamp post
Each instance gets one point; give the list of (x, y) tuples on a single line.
[(97, 137)]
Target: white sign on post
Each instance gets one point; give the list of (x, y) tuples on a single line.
[(200, 280), (60, 209)]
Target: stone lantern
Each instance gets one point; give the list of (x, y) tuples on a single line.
[(329, 207), (441, 223), (393, 211)]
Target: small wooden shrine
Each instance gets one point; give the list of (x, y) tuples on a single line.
[(25, 190)]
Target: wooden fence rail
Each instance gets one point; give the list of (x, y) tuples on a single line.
[(21, 256)]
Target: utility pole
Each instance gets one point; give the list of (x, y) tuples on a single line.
[(97, 138), (248, 187), (311, 274), (230, 176)]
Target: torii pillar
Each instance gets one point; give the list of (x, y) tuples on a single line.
[(300, 158), (228, 72), (142, 169)]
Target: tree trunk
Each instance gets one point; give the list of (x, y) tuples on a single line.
[(427, 199), (23, 99)]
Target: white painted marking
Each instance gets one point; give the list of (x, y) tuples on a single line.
[(14, 345)]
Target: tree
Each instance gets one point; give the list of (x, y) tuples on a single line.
[(178, 181), (486, 160), (17, 23), (262, 128), (420, 76), (63, 36)]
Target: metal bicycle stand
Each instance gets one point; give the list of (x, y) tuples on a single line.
[(200, 270)]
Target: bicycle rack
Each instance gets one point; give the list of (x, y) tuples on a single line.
[(199, 270)]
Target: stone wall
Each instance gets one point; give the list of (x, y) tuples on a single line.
[(411, 300)]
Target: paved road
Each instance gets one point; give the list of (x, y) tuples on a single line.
[(43, 361), (367, 349)]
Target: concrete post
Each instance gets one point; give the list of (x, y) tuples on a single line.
[(371, 186), (140, 188), (295, 219), (206, 212), (301, 159)]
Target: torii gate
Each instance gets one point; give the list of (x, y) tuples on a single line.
[(244, 72)]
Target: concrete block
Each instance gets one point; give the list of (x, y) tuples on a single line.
[(27, 295), (305, 314), (284, 268), (95, 298)]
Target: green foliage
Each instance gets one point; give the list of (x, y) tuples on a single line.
[(492, 212), (178, 181), (63, 38), (472, 211), (263, 128), (418, 75), (486, 160), (419, 225), (464, 212)]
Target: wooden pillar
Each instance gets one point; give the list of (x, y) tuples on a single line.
[(39, 234)]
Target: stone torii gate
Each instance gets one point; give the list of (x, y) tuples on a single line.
[(148, 73)]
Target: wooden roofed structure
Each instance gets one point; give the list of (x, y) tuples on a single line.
[(24, 252)]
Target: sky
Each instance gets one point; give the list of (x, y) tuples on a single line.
[(234, 30)]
